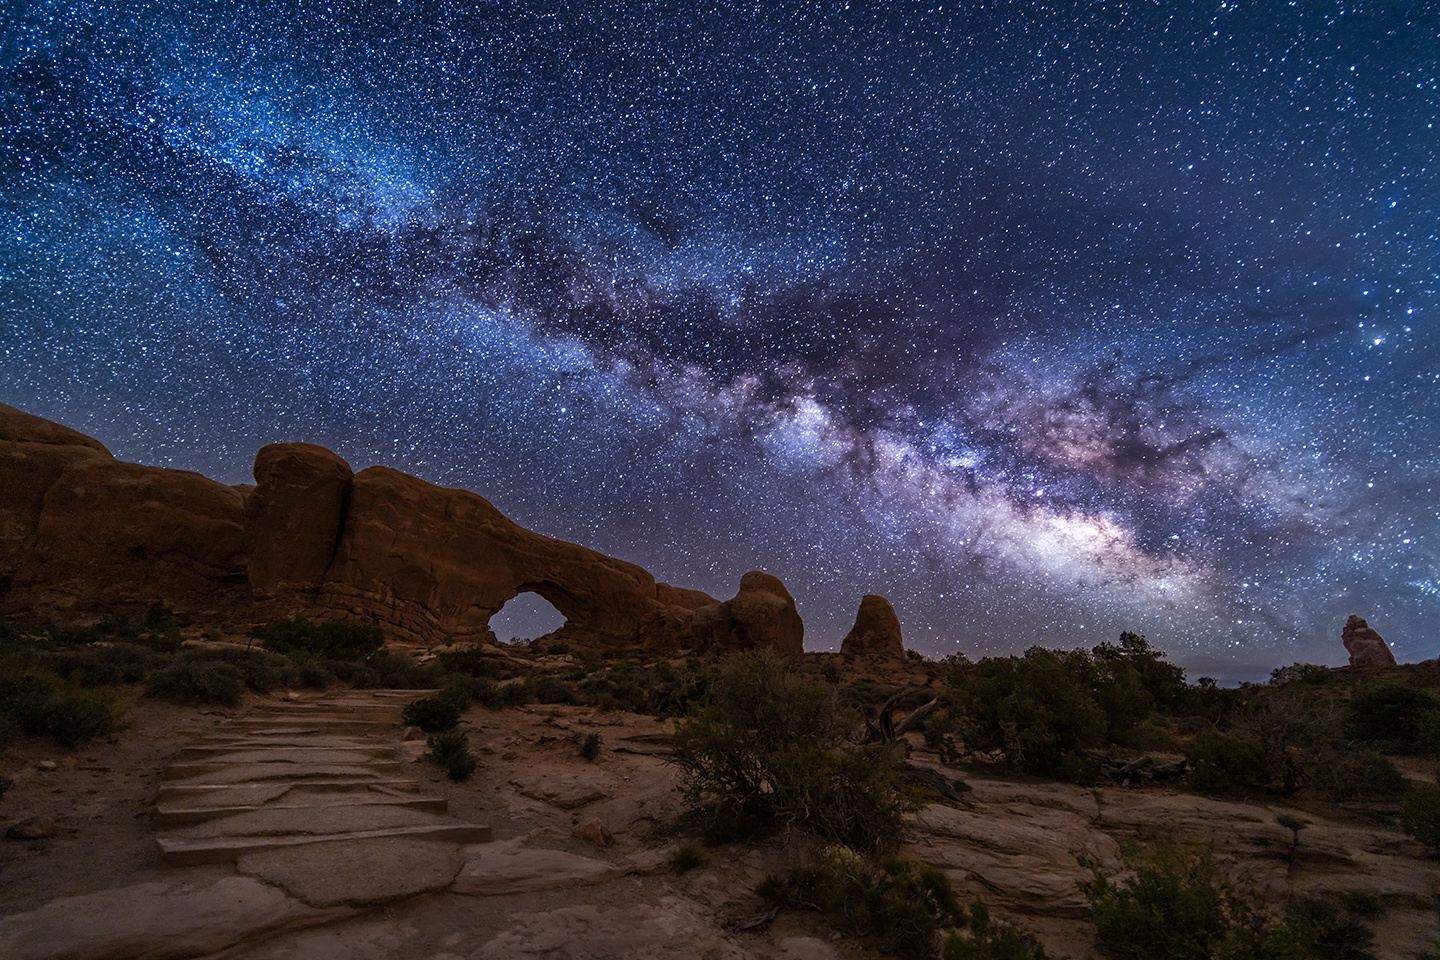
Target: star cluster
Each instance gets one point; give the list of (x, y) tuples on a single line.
[(1045, 321)]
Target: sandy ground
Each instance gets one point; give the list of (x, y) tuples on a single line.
[(1022, 846)]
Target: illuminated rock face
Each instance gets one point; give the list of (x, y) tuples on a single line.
[(83, 535), (1367, 648), (876, 631)]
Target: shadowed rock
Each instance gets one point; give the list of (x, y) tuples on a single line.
[(876, 631), (1367, 648), (83, 535)]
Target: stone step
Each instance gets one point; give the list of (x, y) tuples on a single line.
[(231, 773), (289, 722), (310, 745), (170, 791), (170, 816), (184, 852), (202, 755)]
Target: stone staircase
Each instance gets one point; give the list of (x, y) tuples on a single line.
[(321, 768)]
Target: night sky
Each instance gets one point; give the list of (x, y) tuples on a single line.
[(1045, 321)]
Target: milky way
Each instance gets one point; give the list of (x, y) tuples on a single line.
[(1047, 323)]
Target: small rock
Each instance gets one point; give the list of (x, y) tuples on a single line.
[(593, 831), (34, 828), (46, 765)]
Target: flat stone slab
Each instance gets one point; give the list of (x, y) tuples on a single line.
[(255, 772), (271, 821), (675, 928), (357, 872), (183, 852), (496, 869), (188, 816), (310, 781), (284, 755), (157, 921)]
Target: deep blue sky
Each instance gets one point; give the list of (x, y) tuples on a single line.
[(1044, 322)]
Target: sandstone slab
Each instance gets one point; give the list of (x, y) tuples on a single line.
[(498, 869), (357, 872)]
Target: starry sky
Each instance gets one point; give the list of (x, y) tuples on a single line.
[(1046, 321)]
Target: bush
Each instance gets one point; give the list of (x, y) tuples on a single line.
[(686, 858), (40, 704), (335, 640), (361, 676), (590, 747), (189, 681), (1420, 815), (516, 694), (451, 750), (986, 939), (551, 690), (260, 672), (1218, 762), (898, 904), (1178, 906), (1348, 772), (100, 665), (431, 714), (1398, 717), (769, 747), (1035, 710), (473, 662)]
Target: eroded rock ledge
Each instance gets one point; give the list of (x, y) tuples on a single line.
[(83, 534)]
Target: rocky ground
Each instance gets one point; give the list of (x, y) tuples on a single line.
[(578, 863)]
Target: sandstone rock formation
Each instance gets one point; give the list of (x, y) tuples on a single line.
[(761, 615), (84, 535), (876, 631), (1367, 648)]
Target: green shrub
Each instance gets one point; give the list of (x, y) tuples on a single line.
[(686, 858), (516, 694), (1348, 772), (1420, 815), (1035, 710), (985, 939), (361, 676), (260, 672), (1398, 717), (101, 664), (1218, 762), (1178, 906), (770, 746), (335, 640), (552, 690), (899, 905), (189, 681), (590, 747), (451, 749), (40, 704), (473, 662), (431, 714), (399, 672)]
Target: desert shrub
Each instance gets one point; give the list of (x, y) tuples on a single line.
[(313, 675), (1291, 726), (983, 938), (451, 749), (361, 676), (1334, 928), (1035, 710), (1420, 815), (769, 746), (590, 747), (686, 858), (1177, 905), (1348, 772), (399, 672), (657, 689), (472, 662), (516, 694), (101, 664), (189, 681), (39, 703), (431, 714), (260, 672), (1219, 762), (899, 905), (553, 690), (333, 640), (1395, 716)]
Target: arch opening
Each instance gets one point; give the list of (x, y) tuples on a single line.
[(525, 616)]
